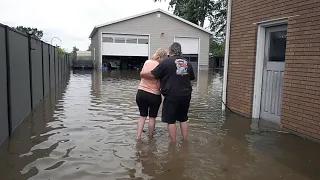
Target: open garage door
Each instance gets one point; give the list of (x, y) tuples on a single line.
[(124, 51), (190, 50), (125, 45)]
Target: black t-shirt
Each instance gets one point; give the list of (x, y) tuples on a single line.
[(175, 74)]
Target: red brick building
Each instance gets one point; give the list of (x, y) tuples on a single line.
[(272, 66)]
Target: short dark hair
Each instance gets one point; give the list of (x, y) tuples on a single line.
[(175, 49)]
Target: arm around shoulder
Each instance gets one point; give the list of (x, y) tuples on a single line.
[(145, 73)]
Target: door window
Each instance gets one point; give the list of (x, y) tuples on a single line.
[(277, 46)]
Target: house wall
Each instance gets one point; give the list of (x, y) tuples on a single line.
[(95, 48), (150, 24), (301, 93)]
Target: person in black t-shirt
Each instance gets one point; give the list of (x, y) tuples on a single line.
[(175, 74)]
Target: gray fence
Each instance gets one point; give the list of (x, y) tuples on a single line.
[(216, 62), (29, 70)]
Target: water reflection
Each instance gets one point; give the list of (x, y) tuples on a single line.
[(88, 133)]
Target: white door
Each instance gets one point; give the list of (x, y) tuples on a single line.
[(125, 45), (273, 73)]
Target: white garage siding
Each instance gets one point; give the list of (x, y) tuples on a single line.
[(95, 52), (125, 45)]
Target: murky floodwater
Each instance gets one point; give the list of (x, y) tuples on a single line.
[(90, 134)]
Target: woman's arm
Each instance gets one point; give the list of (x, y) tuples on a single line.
[(146, 71), (146, 75)]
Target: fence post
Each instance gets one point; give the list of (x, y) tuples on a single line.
[(58, 58), (30, 72), (54, 70), (8, 79), (49, 54), (43, 95)]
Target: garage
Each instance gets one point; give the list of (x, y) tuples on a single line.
[(126, 43), (190, 49), (123, 51)]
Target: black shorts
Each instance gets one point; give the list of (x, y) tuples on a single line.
[(175, 109), (148, 103)]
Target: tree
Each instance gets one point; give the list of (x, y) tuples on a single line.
[(89, 48), (36, 33), (197, 11), (61, 51), (74, 53), (218, 18), (217, 47)]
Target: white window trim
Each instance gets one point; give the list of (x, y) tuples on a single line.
[(260, 63)]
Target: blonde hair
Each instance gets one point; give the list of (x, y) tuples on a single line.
[(159, 55)]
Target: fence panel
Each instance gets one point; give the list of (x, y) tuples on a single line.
[(60, 70), (64, 69), (52, 76), (36, 62), (56, 60), (46, 68), (19, 78), (4, 130)]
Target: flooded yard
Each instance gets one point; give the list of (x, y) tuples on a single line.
[(89, 133)]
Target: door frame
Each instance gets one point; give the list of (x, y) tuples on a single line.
[(260, 56)]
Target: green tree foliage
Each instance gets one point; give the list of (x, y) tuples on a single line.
[(74, 53), (25, 30), (217, 47), (197, 11), (61, 51), (218, 18), (89, 48)]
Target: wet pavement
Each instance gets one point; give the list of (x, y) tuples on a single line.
[(89, 132)]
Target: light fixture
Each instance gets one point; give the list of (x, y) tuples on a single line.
[(30, 32)]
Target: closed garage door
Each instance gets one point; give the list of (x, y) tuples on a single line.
[(190, 49)]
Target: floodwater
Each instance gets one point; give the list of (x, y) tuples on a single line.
[(89, 133)]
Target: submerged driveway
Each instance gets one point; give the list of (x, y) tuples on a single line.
[(89, 133)]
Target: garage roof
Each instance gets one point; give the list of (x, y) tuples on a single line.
[(146, 13)]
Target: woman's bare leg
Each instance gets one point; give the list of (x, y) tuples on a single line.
[(152, 124), (140, 126)]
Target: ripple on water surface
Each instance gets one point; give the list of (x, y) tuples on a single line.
[(89, 133)]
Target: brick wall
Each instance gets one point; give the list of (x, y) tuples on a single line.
[(301, 93)]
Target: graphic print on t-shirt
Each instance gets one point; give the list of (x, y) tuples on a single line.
[(182, 67)]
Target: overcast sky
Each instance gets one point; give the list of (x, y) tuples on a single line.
[(70, 20)]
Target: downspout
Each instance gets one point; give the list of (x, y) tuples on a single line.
[(226, 57)]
